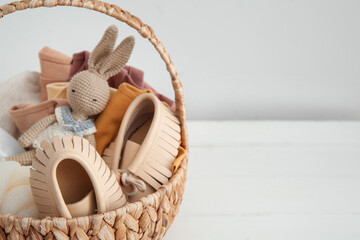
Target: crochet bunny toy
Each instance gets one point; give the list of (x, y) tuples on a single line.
[(87, 94)]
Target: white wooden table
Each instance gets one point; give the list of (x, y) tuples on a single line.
[(271, 180)]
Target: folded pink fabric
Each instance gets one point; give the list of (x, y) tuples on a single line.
[(55, 67), (25, 115), (128, 75)]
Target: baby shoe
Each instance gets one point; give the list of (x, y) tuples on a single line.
[(70, 179), (147, 143)]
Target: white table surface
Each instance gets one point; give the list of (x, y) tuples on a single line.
[(271, 180)]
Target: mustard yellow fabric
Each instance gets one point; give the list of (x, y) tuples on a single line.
[(180, 157), (58, 90), (108, 122)]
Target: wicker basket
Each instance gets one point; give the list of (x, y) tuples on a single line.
[(147, 219)]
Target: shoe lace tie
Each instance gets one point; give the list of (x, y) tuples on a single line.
[(129, 179)]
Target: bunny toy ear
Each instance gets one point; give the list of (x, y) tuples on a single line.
[(103, 49), (115, 62)]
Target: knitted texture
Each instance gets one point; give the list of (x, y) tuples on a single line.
[(87, 94), (65, 125), (118, 58), (28, 137), (24, 158), (65, 118), (91, 139), (107, 62), (88, 91)]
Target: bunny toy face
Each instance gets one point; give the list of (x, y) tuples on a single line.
[(88, 91), (87, 95)]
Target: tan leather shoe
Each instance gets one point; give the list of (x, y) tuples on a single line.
[(70, 179), (147, 142)]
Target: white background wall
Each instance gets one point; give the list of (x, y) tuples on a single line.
[(291, 59)]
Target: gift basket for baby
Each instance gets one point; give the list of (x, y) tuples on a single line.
[(114, 215)]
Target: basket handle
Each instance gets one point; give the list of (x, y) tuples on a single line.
[(123, 16)]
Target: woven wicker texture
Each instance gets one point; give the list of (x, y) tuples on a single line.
[(147, 219)]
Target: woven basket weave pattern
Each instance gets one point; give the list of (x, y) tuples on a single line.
[(146, 219)]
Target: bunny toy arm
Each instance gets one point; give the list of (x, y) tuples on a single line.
[(27, 138), (24, 158)]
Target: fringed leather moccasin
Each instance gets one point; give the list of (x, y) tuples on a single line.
[(147, 143), (70, 179)]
